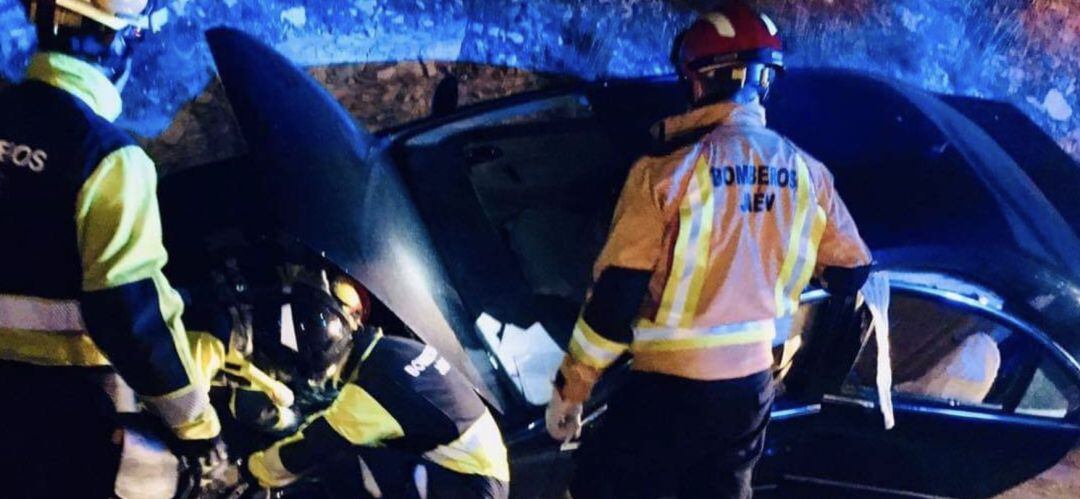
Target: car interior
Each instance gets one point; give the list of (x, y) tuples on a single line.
[(947, 354), (512, 202), (520, 212)]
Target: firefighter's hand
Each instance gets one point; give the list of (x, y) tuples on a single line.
[(246, 486), (563, 418), (205, 470)]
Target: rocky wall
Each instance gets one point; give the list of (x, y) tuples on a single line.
[(375, 54), (380, 95)]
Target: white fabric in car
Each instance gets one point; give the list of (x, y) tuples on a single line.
[(875, 293)]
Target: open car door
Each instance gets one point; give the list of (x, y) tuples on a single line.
[(982, 402)]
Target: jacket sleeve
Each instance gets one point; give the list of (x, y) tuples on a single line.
[(635, 240), (840, 245), (255, 398), (602, 332), (130, 311), (354, 419)]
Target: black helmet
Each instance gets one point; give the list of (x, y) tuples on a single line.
[(302, 330)]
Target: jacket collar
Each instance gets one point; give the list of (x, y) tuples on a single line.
[(709, 117), (78, 78), (364, 341)]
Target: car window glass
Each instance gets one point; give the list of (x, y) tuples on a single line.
[(1044, 397), (568, 106), (948, 353)]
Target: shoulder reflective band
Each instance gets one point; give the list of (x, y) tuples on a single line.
[(39, 314), (800, 256), (653, 337), (679, 302)]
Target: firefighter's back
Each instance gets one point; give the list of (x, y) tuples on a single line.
[(50, 142), (743, 221)]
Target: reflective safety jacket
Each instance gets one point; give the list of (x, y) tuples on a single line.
[(81, 259), (399, 394), (731, 220)]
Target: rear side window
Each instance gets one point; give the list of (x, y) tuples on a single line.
[(944, 353)]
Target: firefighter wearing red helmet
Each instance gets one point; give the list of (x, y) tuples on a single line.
[(731, 51), (714, 237)]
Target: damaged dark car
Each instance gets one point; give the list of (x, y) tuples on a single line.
[(475, 232)]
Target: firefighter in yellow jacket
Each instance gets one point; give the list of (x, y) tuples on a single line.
[(81, 285), (713, 240), (414, 420)]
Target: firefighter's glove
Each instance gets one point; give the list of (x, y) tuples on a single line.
[(563, 418), (257, 409), (247, 486), (205, 469)]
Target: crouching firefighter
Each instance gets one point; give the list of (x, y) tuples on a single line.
[(416, 423), (82, 295), (714, 238)]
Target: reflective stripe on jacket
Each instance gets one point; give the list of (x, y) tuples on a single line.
[(731, 221), (79, 214), (402, 395), (46, 332)]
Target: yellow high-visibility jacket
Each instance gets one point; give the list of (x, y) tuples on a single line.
[(400, 394), (730, 221), (81, 258)]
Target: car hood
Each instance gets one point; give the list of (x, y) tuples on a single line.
[(315, 179)]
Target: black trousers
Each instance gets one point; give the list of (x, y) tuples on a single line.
[(56, 433), (665, 436)]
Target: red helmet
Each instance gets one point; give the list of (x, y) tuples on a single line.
[(732, 35)]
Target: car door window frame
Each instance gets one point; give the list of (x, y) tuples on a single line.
[(985, 305)]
